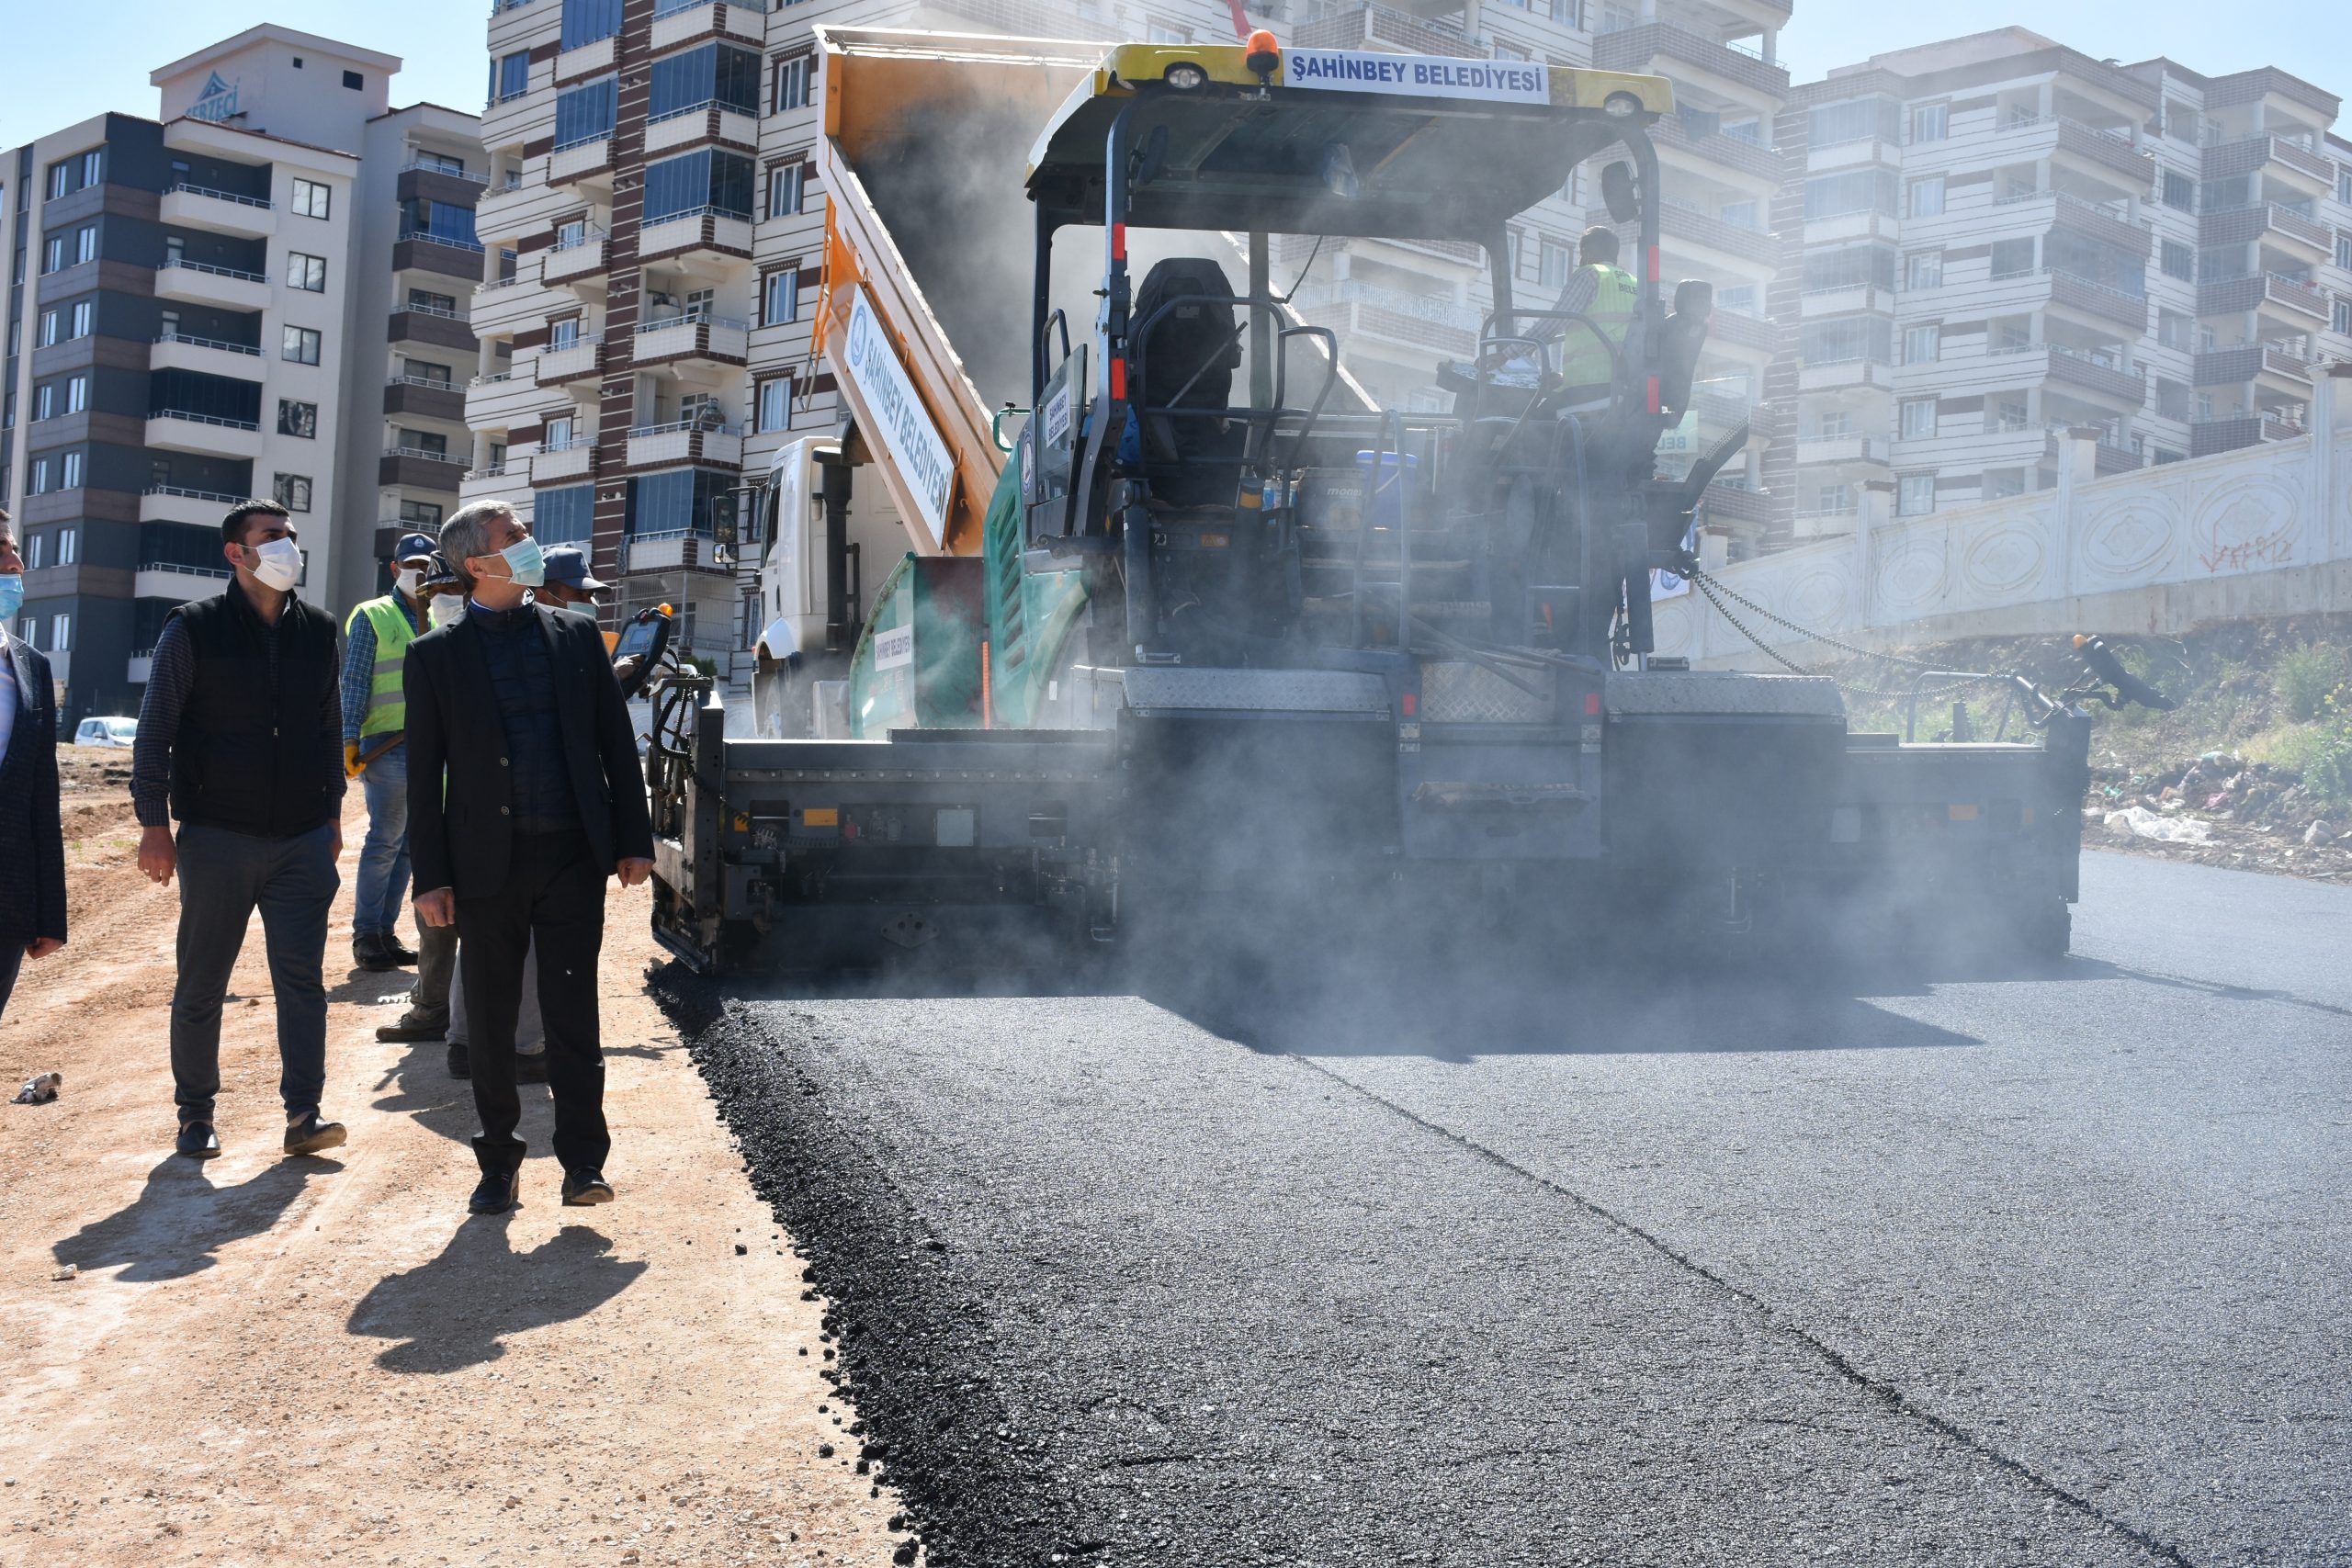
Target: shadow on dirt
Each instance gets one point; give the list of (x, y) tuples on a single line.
[(459, 1310)]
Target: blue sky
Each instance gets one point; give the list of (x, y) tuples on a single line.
[(64, 73)]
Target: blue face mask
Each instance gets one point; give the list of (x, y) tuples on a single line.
[(524, 564), (12, 594)]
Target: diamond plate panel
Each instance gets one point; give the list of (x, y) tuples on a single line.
[(1458, 691), (1164, 689)]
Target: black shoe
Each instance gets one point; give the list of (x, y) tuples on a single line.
[(402, 957), (313, 1136), (198, 1140), (369, 952), (530, 1066), (496, 1193), (585, 1186), (413, 1025), (458, 1066)]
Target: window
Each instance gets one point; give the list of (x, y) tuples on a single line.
[(1158, 34), (85, 317), (1862, 190), (423, 515), (53, 254), (712, 76), (77, 393), (792, 80), (354, 80), (586, 21), (2344, 252), (438, 304), (1859, 120), (2344, 185), (2012, 258), (2179, 191), (428, 372), (444, 223), (584, 113), (299, 345), (1505, 52), (1853, 267), (511, 76), (699, 182), (69, 471), (1739, 214), (563, 516), (291, 492), (1922, 343), (1739, 300), (60, 634), (1927, 197), (783, 190), (313, 199), (556, 434), (36, 552), (45, 402), (682, 501), (2172, 329), (2181, 123), (2222, 262), (1914, 495), (780, 297), (1836, 422), (773, 405), (1930, 122), (1554, 264), (1923, 269), (37, 481), (1918, 418), (2002, 483), (297, 419), (306, 273), (2006, 415), (50, 333), (69, 545), (1835, 499), (93, 167), (2172, 398), (85, 243), (2343, 317), (1844, 341), (61, 179), (2179, 260)]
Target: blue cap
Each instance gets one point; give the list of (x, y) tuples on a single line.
[(412, 547), (567, 566)]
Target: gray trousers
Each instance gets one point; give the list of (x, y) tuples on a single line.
[(224, 877), (530, 1032)]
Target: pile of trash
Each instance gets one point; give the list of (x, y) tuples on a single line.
[(2221, 810)]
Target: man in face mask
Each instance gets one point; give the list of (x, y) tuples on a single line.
[(375, 645), (32, 847), (524, 795), (240, 738)]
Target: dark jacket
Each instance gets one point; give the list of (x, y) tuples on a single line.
[(461, 833), (32, 847), (257, 745)]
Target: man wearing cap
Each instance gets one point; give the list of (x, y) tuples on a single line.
[(569, 586), (375, 722)]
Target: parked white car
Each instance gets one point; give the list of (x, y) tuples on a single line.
[(106, 732)]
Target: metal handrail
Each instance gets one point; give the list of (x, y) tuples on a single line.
[(446, 385), (431, 167), (433, 311), (706, 210), (188, 571), (691, 426), (209, 342), (694, 319), (449, 239), (192, 494), (421, 452), (712, 103), (204, 419), (188, 265), (261, 202)]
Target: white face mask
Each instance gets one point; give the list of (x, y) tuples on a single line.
[(278, 564), (408, 577), (445, 608)]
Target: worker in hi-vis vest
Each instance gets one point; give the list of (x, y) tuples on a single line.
[(1603, 294), (375, 724)]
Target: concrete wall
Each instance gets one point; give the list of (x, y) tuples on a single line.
[(2267, 531)]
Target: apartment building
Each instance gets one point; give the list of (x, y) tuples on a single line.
[(185, 330), (654, 236), (2000, 239)]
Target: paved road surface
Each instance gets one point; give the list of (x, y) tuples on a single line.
[(2049, 1271)]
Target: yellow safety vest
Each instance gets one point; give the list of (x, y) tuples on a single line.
[(1584, 363), (387, 705)]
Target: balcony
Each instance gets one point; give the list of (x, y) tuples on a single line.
[(2269, 224), (1818, 449), (422, 181), (1729, 329), (1422, 323), (672, 550), (442, 254), (581, 160), (218, 211), (1825, 522), (1844, 300), (1648, 47), (431, 324), (418, 468), (200, 283), (675, 21), (2231, 296), (1379, 26), (1730, 504), (701, 123), (2069, 292), (1693, 226), (2235, 366), (685, 441), (584, 356), (1838, 374), (684, 340), (579, 263), (588, 60), (564, 462), (203, 434), (493, 400), (706, 231), (2109, 150), (1672, 133), (2109, 222), (170, 579), (2270, 155), (2232, 431), (2102, 375), (2107, 458), (173, 503), (178, 351), (506, 304), (424, 396), (509, 478)]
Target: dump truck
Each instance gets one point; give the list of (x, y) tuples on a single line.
[(1185, 632)]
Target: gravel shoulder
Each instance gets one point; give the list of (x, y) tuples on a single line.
[(261, 1360)]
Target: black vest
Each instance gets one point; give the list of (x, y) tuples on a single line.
[(253, 754)]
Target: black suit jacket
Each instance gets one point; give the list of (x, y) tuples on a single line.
[(460, 835), (32, 847)]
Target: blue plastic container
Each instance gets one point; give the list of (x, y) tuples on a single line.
[(1383, 498)]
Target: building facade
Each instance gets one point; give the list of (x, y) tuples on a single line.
[(185, 330), (1998, 240), (654, 232)]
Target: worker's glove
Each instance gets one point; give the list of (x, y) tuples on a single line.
[(351, 768)]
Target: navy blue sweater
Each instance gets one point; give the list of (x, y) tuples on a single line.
[(522, 678)]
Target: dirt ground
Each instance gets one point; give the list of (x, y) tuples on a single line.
[(264, 1360)]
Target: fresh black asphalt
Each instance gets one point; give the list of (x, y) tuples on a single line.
[(2047, 1269)]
